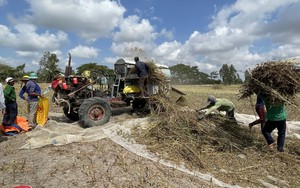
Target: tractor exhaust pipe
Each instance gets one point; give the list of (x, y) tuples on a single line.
[(68, 70)]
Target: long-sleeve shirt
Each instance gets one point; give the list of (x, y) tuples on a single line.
[(22, 92), (9, 94), (221, 104), (2, 103)]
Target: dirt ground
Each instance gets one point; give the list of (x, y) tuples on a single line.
[(95, 164), (104, 163)]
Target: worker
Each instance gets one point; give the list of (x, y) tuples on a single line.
[(34, 91), (261, 111), (11, 111), (276, 119), (142, 72), (218, 104), (24, 80), (2, 103)]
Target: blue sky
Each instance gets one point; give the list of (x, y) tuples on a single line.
[(206, 34)]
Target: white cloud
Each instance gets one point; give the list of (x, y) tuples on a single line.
[(27, 54), (169, 53), (284, 51), (137, 38), (111, 60), (235, 29), (206, 67), (168, 34), (24, 37), (12, 62), (84, 52), (243, 34), (132, 29), (88, 18)]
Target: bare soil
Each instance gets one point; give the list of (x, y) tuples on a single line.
[(95, 164), (106, 164)]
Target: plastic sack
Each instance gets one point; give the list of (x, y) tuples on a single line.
[(42, 111)]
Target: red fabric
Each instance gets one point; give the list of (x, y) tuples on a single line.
[(261, 113), (54, 84)]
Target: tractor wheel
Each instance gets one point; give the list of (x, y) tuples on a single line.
[(94, 112), (72, 115)]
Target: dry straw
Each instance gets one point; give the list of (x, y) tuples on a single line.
[(276, 80), (176, 134)]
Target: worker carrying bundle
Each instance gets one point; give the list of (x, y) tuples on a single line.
[(276, 83)]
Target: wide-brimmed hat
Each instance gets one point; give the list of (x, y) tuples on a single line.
[(33, 76), (25, 78), (9, 79)]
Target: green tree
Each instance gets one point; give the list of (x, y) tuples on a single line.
[(96, 70), (48, 67), (214, 75), (5, 71), (225, 74), (247, 76), (184, 74), (229, 75), (8, 71)]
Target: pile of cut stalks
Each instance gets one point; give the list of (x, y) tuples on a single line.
[(275, 80)]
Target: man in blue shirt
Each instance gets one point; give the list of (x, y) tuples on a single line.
[(24, 80), (34, 91), (142, 72)]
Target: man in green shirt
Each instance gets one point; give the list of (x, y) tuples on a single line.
[(219, 104), (276, 119), (11, 110)]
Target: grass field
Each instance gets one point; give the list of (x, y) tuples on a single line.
[(196, 96)]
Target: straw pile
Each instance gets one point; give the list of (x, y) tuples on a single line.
[(176, 134), (154, 73), (277, 81)]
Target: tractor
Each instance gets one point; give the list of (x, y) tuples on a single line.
[(83, 101)]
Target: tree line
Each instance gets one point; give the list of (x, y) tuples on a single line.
[(180, 73)]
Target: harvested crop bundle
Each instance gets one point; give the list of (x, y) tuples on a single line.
[(155, 73), (277, 80), (176, 134)]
